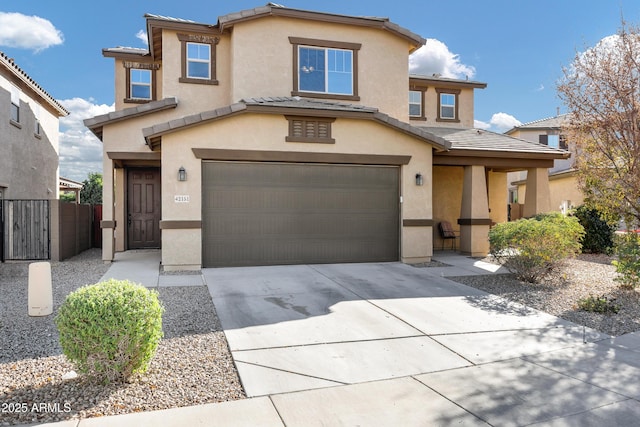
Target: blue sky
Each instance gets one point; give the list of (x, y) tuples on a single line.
[(517, 47)]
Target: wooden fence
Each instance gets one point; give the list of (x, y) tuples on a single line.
[(44, 229), (26, 229)]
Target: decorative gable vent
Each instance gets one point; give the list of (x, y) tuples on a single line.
[(310, 129)]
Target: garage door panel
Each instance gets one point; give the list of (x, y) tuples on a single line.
[(262, 214)]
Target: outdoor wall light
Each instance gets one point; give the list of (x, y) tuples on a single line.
[(182, 174), (419, 179)]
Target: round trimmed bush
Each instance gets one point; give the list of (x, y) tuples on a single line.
[(110, 330)]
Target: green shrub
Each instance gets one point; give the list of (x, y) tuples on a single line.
[(110, 330), (628, 262), (598, 233), (532, 248), (600, 304)]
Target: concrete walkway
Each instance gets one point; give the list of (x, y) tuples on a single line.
[(391, 344)]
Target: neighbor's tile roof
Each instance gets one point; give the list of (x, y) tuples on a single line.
[(542, 124), (475, 140), (18, 72)]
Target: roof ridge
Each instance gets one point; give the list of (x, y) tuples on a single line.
[(10, 63)]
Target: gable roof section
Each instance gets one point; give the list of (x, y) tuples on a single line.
[(155, 24), (95, 124), (291, 106), (482, 143), (549, 123), (439, 81), (272, 9), (7, 66)]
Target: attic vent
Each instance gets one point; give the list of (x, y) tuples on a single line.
[(310, 129)]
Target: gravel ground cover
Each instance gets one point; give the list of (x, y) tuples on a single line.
[(587, 275), (192, 366)]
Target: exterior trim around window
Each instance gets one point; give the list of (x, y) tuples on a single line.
[(298, 42), (140, 66), (310, 129), (15, 107), (455, 93), (212, 42), (421, 115)]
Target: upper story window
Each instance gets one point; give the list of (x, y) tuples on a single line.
[(198, 61), (554, 141), (448, 105), (416, 107), (37, 129), (141, 81), (198, 58), (325, 69), (140, 84), (15, 104)]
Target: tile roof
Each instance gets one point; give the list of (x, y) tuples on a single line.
[(96, 123), (476, 140), (18, 72), (280, 10), (280, 105), (546, 123)]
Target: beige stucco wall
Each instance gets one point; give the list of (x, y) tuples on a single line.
[(267, 132), (560, 190), (266, 68)]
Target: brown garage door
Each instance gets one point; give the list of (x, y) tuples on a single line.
[(283, 213)]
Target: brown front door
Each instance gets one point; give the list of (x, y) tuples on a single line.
[(143, 208)]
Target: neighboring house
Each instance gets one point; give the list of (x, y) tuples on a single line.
[(67, 185), (284, 136), (563, 186), (28, 136)]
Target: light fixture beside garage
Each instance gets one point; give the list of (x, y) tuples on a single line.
[(419, 179), (182, 174)]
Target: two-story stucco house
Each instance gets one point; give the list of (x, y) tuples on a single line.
[(564, 192), (284, 136), (28, 136)]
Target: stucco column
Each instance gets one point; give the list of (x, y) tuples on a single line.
[(537, 198), (474, 214), (108, 221)]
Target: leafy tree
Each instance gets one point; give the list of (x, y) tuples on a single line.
[(68, 197), (601, 89), (91, 192)]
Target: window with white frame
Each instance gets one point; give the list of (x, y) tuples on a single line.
[(198, 61), (447, 106), (415, 103), (15, 104), (140, 84)]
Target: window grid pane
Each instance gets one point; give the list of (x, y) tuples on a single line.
[(325, 70), (415, 103), (447, 106), (198, 61), (140, 84)]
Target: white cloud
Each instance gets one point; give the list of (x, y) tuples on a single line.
[(435, 58), (80, 150), (481, 125), (142, 36), (540, 88), (28, 32), (502, 122)]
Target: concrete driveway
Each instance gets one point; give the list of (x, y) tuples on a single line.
[(293, 328), (390, 344)]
